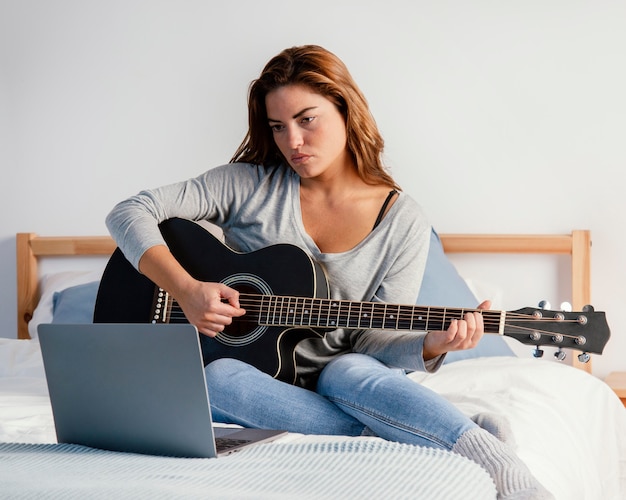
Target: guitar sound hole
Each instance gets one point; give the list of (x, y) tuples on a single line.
[(243, 325), (238, 328)]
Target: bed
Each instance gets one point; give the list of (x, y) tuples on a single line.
[(567, 425)]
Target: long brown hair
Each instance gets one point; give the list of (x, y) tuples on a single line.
[(324, 73)]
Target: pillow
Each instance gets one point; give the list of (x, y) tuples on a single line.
[(51, 284), (75, 304), (443, 286)]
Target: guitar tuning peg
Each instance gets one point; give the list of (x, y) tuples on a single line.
[(566, 307), (560, 355), (584, 357), (537, 353), (544, 304), (588, 308)]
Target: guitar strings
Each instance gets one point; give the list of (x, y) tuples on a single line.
[(258, 311), (319, 307), (392, 311)]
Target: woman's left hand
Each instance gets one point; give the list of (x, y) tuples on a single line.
[(461, 334)]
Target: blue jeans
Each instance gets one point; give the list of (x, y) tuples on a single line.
[(356, 395)]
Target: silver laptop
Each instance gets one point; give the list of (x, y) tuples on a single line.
[(136, 388)]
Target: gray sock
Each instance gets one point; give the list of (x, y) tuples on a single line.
[(512, 478), (497, 425)]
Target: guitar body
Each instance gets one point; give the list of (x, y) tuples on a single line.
[(127, 296)]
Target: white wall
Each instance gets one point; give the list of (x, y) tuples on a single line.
[(498, 116)]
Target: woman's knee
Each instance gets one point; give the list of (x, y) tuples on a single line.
[(351, 371), (228, 371), (225, 365)]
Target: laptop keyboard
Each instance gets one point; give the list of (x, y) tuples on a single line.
[(224, 443)]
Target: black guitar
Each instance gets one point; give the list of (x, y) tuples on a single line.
[(285, 295)]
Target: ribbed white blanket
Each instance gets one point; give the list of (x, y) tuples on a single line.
[(359, 468)]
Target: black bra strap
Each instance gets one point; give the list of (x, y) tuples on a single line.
[(381, 214)]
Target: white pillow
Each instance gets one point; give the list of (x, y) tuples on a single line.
[(55, 282)]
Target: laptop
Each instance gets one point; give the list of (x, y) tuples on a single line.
[(136, 388)]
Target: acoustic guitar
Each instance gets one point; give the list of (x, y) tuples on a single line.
[(285, 295)]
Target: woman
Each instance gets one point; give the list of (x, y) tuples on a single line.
[(309, 173)]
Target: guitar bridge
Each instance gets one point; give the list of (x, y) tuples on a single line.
[(159, 306)]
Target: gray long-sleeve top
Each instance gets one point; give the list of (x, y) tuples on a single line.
[(258, 206)]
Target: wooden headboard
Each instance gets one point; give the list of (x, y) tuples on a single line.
[(577, 244), (30, 248)]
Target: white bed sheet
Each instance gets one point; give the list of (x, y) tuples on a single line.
[(568, 426)]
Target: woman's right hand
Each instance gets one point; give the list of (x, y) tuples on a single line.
[(208, 306)]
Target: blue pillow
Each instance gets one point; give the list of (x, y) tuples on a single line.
[(75, 304), (443, 286)]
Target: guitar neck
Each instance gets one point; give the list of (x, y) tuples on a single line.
[(275, 310)]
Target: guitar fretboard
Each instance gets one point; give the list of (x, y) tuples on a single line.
[(275, 310)]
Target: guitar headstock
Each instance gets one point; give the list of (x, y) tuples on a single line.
[(585, 331)]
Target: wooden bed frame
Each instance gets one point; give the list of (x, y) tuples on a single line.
[(577, 244)]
